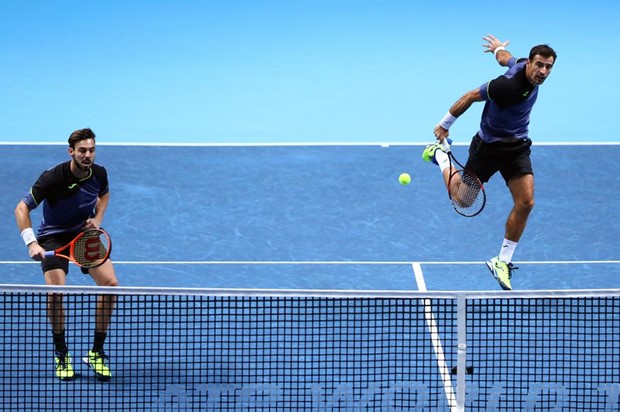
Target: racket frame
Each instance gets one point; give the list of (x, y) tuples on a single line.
[(446, 147), (71, 246)]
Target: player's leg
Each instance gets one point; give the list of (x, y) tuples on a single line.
[(56, 316), (55, 271), (435, 153), (55, 307), (518, 175), (103, 275), (522, 190)]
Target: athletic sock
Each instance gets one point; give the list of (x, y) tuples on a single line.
[(60, 343), (507, 250), (442, 159), (99, 341)]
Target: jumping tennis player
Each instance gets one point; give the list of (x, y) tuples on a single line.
[(502, 143)]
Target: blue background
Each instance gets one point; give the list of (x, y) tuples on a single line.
[(292, 71)]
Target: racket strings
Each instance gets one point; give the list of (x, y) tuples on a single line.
[(467, 193), (91, 249)]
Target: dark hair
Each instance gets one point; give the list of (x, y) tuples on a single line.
[(543, 50), (80, 135)]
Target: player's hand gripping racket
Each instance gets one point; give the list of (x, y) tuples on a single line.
[(89, 249), (465, 190)]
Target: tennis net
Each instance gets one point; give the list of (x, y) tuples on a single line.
[(291, 350)]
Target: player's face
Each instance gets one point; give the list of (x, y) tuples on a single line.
[(83, 155), (538, 69)]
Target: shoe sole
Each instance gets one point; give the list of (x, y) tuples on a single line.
[(501, 284), (99, 376), (66, 379)]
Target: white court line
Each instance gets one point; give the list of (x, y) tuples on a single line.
[(316, 262), (444, 371)]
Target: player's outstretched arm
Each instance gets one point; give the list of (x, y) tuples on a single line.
[(457, 109), (498, 48)]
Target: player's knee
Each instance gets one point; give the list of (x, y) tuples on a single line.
[(107, 281), (111, 282), (525, 205)]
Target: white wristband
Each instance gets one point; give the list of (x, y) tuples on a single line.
[(28, 236), (447, 121), (498, 49)]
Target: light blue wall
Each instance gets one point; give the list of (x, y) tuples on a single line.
[(292, 71)]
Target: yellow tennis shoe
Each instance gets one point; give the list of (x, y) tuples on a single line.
[(501, 271), (428, 155), (97, 362), (64, 368)]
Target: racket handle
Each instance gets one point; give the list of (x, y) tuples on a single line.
[(446, 144), (50, 253)]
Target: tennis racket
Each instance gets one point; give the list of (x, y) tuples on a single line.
[(89, 249), (465, 190)]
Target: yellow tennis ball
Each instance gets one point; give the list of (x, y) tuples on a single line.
[(404, 178)]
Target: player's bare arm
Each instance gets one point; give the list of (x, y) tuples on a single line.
[(462, 104), (22, 215), (457, 109)]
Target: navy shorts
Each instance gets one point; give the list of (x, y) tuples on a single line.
[(53, 242), (510, 159)]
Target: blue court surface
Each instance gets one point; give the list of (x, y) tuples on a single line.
[(324, 217), (329, 217)]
